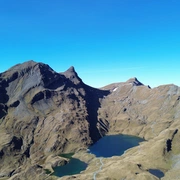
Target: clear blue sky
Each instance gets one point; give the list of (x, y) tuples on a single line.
[(105, 40)]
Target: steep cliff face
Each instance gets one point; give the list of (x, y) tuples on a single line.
[(43, 113)]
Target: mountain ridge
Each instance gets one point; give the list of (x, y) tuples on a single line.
[(71, 73)]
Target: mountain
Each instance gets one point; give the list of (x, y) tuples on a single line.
[(44, 113)]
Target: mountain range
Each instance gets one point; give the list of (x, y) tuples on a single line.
[(44, 113)]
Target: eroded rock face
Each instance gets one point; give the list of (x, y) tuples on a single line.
[(44, 113)]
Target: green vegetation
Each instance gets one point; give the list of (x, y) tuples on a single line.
[(68, 155), (47, 171)]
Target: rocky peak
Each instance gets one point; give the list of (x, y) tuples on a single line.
[(22, 66), (135, 82), (28, 76), (25, 68), (71, 69), (72, 75)]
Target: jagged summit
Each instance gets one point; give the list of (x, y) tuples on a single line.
[(132, 81), (32, 74), (135, 82), (72, 75), (29, 67), (24, 65), (71, 69), (28, 77)]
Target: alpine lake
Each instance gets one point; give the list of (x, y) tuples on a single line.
[(108, 146)]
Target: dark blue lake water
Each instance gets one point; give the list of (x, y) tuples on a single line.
[(108, 146), (114, 145), (75, 166), (157, 173)]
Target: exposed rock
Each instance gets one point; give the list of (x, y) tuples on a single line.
[(72, 75), (53, 161), (135, 82), (169, 141)]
